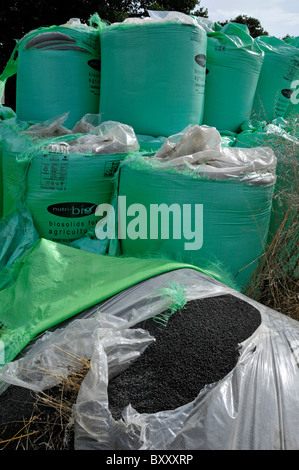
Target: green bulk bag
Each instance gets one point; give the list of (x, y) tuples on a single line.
[(58, 72), (61, 180), (280, 68), (236, 210), (293, 108), (234, 62), (153, 75), (63, 191), (276, 135), (6, 114)]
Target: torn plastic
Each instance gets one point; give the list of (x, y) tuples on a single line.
[(157, 16), (108, 138), (17, 236), (254, 407), (99, 137), (200, 149)]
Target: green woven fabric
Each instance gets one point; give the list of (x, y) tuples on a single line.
[(6, 114), (54, 282), (63, 191), (58, 71), (153, 76), (280, 68), (234, 62), (293, 108), (235, 222)]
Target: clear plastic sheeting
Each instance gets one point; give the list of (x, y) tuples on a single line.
[(157, 16), (200, 148), (99, 137), (254, 407)]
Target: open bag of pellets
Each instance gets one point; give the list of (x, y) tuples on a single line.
[(175, 360)]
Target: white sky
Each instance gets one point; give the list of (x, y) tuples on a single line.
[(278, 17)]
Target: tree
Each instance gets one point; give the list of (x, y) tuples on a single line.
[(253, 24)]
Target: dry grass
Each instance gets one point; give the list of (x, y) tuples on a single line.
[(51, 425), (275, 281)]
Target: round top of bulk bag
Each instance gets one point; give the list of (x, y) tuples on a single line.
[(74, 36)]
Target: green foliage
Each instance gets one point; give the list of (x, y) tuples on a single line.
[(253, 25)]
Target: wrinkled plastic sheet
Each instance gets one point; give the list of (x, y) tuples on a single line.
[(89, 135), (199, 148), (254, 407)]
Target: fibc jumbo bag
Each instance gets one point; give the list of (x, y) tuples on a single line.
[(280, 69), (153, 73), (68, 179), (61, 180), (199, 203), (58, 72), (6, 115), (234, 62), (18, 141), (293, 108)]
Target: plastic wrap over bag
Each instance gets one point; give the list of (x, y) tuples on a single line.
[(156, 97), (200, 148), (254, 407), (58, 71)]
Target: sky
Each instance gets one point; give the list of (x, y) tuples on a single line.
[(278, 17)]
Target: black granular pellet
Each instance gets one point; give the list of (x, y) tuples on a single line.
[(199, 345)]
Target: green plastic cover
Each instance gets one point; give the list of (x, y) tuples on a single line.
[(280, 69), (5, 115), (234, 62), (278, 136), (54, 282), (58, 71), (153, 75)]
